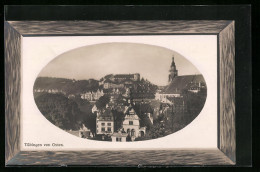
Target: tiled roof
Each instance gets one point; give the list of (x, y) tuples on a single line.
[(130, 111), (107, 113), (181, 82), (124, 76)]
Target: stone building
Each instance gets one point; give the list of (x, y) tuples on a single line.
[(122, 77), (107, 84), (119, 80), (119, 137), (105, 122), (92, 96), (131, 123)]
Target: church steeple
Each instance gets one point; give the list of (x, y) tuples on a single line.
[(173, 71)]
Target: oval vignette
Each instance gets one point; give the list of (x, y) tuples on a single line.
[(120, 92)]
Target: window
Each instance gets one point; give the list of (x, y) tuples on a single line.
[(103, 124), (103, 129), (118, 139), (131, 123), (108, 128), (109, 124)]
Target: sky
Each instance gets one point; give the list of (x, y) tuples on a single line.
[(96, 61)]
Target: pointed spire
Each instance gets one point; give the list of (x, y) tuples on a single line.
[(173, 63), (173, 71)]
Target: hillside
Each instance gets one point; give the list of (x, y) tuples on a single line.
[(69, 86)]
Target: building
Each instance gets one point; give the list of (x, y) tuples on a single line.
[(119, 136), (84, 132), (122, 77), (131, 123), (116, 102), (178, 84), (142, 131), (52, 91), (105, 122), (173, 71), (192, 83), (118, 80), (163, 96), (108, 83), (92, 96), (195, 87)]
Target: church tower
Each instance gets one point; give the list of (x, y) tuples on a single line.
[(173, 71)]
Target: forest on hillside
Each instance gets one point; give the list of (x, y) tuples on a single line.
[(67, 114), (69, 86)]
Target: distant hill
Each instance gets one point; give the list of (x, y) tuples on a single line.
[(69, 86), (141, 89)]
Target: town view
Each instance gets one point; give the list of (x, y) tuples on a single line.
[(121, 107)]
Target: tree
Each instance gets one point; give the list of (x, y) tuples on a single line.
[(59, 110), (195, 102), (102, 102), (157, 130), (118, 118), (90, 122), (159, 118), (142, 111), (65, 113)]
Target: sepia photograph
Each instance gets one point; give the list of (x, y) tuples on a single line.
[(122, 97), (120, 92)]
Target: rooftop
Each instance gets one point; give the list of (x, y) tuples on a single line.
[(181, 82), (106, 115)]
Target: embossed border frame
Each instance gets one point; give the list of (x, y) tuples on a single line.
[(225, 154)]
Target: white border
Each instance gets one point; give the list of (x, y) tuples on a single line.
[(37, 52)]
